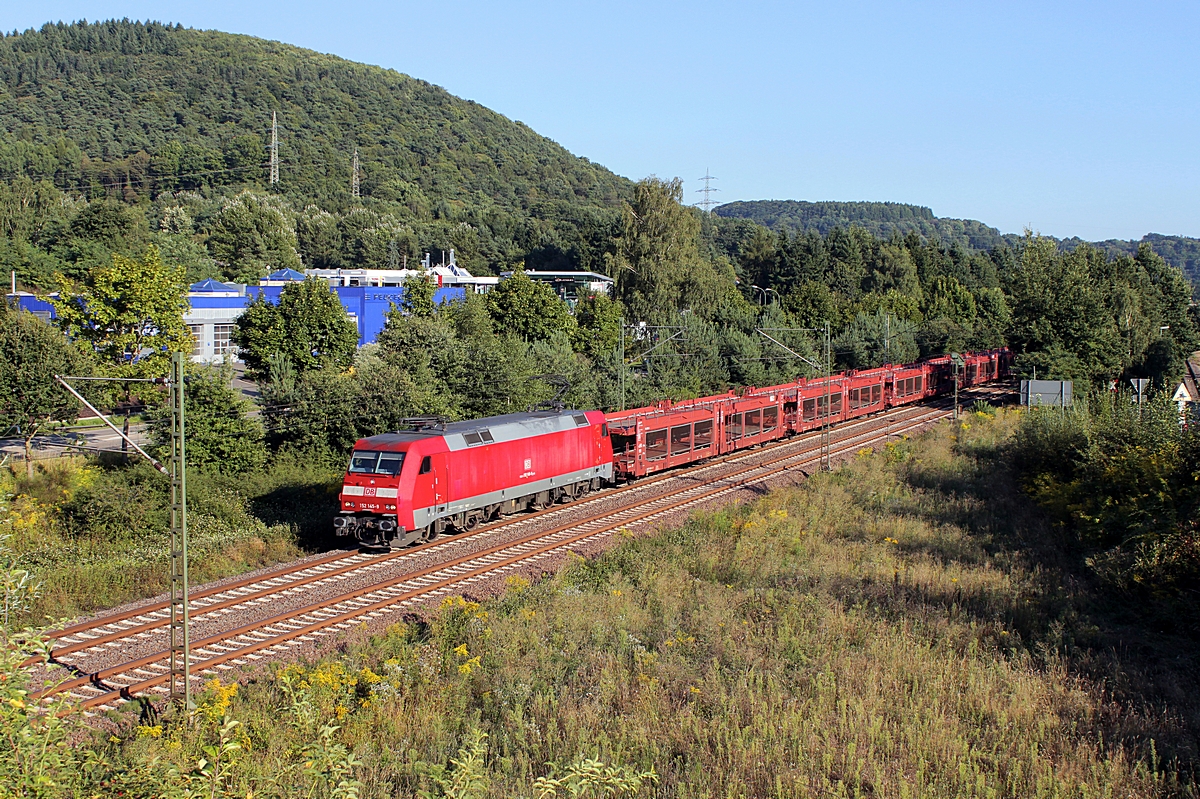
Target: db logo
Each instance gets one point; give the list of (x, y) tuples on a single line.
[(368, 492)]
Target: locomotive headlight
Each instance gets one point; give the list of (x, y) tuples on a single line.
[(391, 507), (349, 504)]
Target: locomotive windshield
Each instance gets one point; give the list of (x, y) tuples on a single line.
[(364, 462)]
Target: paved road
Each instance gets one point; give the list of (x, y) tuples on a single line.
[(102, 438), (93, 438)]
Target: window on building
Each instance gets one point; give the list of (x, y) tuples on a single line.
[(222, 340), (197, 340)]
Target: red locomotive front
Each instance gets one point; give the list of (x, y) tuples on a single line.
[(409, 486)]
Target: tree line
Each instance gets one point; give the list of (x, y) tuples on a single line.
[(699, 295)]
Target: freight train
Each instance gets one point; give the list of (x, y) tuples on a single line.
[(410, 486)]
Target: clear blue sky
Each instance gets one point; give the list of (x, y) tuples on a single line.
[(1076, 118)]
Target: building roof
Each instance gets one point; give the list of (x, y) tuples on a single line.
[(285, 274), (211, 285), (583, 277), (1191, 381)]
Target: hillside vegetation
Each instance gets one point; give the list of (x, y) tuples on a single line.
[(883, 220), (906, 626), (879, 219), (139, 113), (153, 125)]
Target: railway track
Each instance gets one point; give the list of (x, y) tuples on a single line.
[(82, 647)]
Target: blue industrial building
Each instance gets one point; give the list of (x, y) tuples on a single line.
[(215, 307)]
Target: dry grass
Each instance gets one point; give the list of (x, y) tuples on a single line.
[(115, 550), (881, 631)]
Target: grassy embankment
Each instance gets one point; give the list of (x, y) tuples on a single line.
[(906, 626), (98, 537)]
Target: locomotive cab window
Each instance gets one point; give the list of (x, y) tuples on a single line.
[(426, 465), (363, 462), (389, 463)]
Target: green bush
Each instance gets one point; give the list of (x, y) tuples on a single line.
[(1125, 480)]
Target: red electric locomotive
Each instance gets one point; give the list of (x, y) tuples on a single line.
[(412, 485)]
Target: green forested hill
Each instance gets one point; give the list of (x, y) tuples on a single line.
[(155, 105), (155, 115), (884, 219), (1180, 251), (878, 219)]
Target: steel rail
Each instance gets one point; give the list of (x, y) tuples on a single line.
[(300, 581), (252, 597), (674, 503)]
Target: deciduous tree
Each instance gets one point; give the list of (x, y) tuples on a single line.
[(220, 436), (31, 354), (253, 236), (129, 313), (309, 326), (528, 309)]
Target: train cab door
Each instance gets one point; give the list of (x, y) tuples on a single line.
[(441, 483), (432, 484)]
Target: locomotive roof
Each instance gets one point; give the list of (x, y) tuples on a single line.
[(492, 429)]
